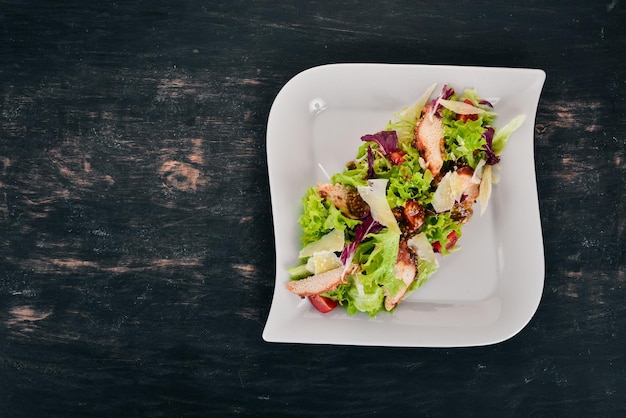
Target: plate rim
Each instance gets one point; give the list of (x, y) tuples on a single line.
[(270, 334)]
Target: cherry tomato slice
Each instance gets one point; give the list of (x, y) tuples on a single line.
[(322, 304), (452, 239), (397, 157)]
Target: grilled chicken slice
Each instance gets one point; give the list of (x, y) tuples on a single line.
[(346, 199), (404, 270), (319, 283), (428, 138)]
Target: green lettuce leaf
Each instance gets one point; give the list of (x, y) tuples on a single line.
[(438, 227), (464, 140), (370, 302), (377, 257), (502, 135), (409, 181), (320, 217)]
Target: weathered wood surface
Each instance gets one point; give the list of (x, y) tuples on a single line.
[(136, 245)]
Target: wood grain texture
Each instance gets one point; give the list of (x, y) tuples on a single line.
[(136, 244)]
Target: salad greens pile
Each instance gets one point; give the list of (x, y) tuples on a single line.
[(408, 213)]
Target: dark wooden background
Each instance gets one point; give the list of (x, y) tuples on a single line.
[(136, 244)]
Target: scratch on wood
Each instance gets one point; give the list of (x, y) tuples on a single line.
[(250, 81), (573, 169), (186, 262), (82, 173), (576, 114), (242, 81), (172, 88), (250, 315), (6, 163), (176, 88), (65, 265), (196, 155), (247, 270), (72, 264), (4, 207), (180, 167), (180, 176), (25, 317)]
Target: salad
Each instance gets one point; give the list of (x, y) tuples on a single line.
[(375, 231)]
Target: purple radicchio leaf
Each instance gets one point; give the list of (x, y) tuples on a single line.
[(490, 156), (446, 93), (387, 140), (370, 163), (368, 226)]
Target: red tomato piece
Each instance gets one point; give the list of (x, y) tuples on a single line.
[(452, 239), (323, 304), (397, 157)]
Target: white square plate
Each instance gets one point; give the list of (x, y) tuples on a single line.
[(483, 294)]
